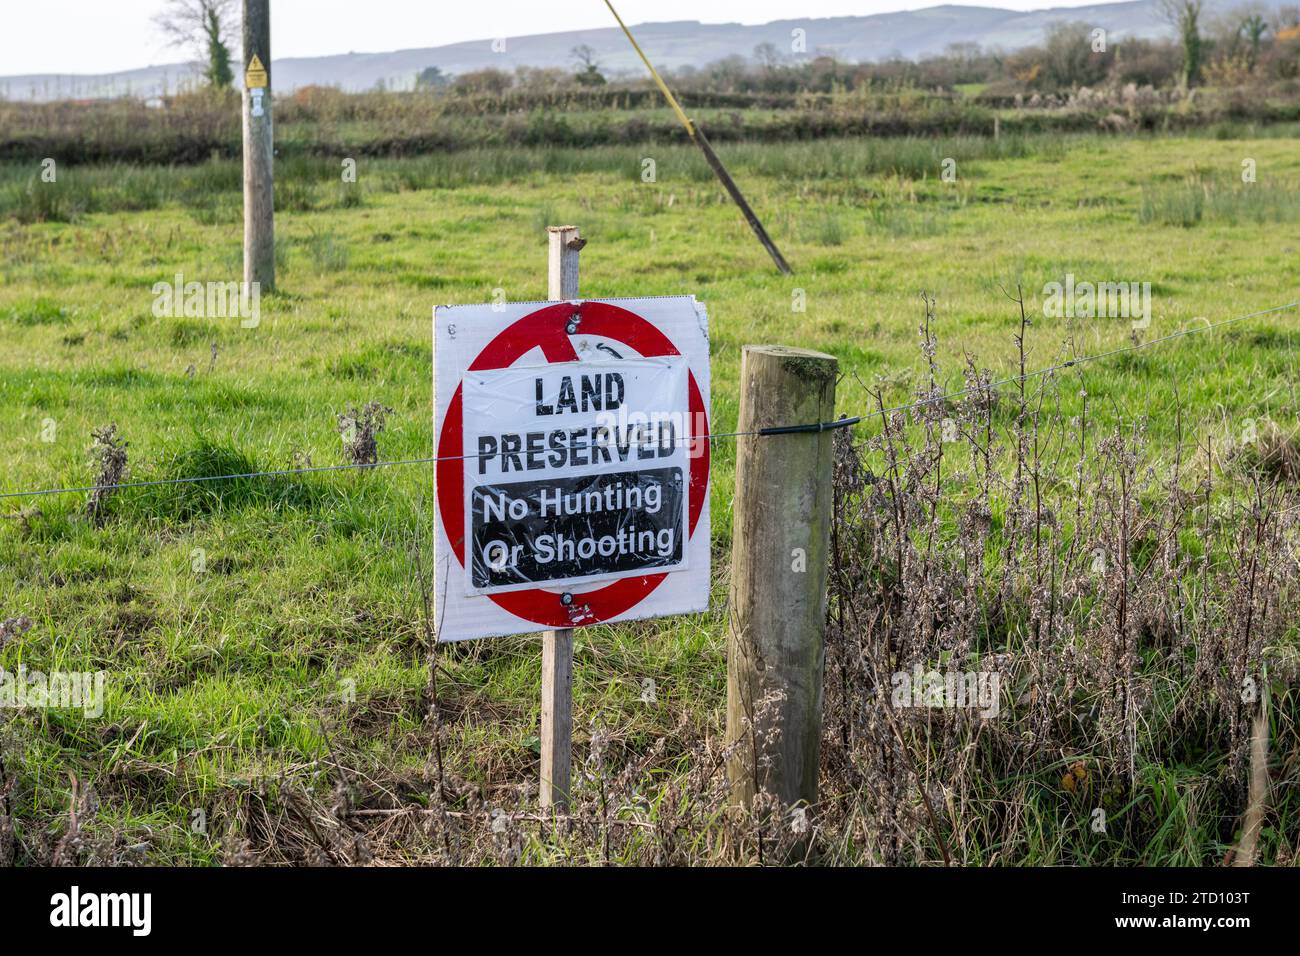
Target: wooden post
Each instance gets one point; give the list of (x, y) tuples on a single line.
[(259, 148), (739, 199), (562, 271), (780, 544), (557, 646)]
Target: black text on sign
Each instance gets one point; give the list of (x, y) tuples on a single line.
[(587, 483)]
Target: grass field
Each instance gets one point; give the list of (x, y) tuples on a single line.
[(234, 619)]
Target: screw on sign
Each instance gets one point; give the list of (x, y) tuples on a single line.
[(573, 480)]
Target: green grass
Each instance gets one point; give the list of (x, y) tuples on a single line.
[(1186, 204), (222, 677)]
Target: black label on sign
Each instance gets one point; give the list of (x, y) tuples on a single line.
[(532, 532)]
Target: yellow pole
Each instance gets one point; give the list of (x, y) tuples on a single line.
[(663, 87)]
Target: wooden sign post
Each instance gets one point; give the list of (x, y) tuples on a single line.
[(573, 473), (557, 645), (259, 148)]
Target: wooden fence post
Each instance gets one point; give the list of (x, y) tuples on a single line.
[(259, 148), (780, 549), (557, 646)]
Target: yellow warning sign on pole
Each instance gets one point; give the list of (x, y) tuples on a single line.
[(255, 75)]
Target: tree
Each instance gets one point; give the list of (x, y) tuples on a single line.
[(1185, 17), (590, 74), (964, 53), (204, 26), (490, 81), (1253, 27), (768, 56), (1068, 58), (432, 78), (1147, 63)]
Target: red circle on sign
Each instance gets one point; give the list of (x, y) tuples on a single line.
[(546, 329)]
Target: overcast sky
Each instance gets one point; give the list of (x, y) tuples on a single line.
[(102, 36)]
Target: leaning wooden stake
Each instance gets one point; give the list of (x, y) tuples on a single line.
[(699, 139), (780, 542), (738, 198), (259, 148), (557, 646)]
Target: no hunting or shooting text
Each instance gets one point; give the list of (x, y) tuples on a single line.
[(601, 450)]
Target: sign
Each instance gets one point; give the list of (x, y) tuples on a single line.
[(255, 76), (572, 481), (255, 79)]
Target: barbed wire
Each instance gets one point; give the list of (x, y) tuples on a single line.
[(351, 466), (844, 421)]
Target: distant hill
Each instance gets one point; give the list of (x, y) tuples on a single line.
[(909, 34)]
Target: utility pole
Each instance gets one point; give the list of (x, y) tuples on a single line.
[(259, 148)]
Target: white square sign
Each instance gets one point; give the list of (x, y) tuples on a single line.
[(572, 482)]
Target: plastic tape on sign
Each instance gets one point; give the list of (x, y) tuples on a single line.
[(582, 527)]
